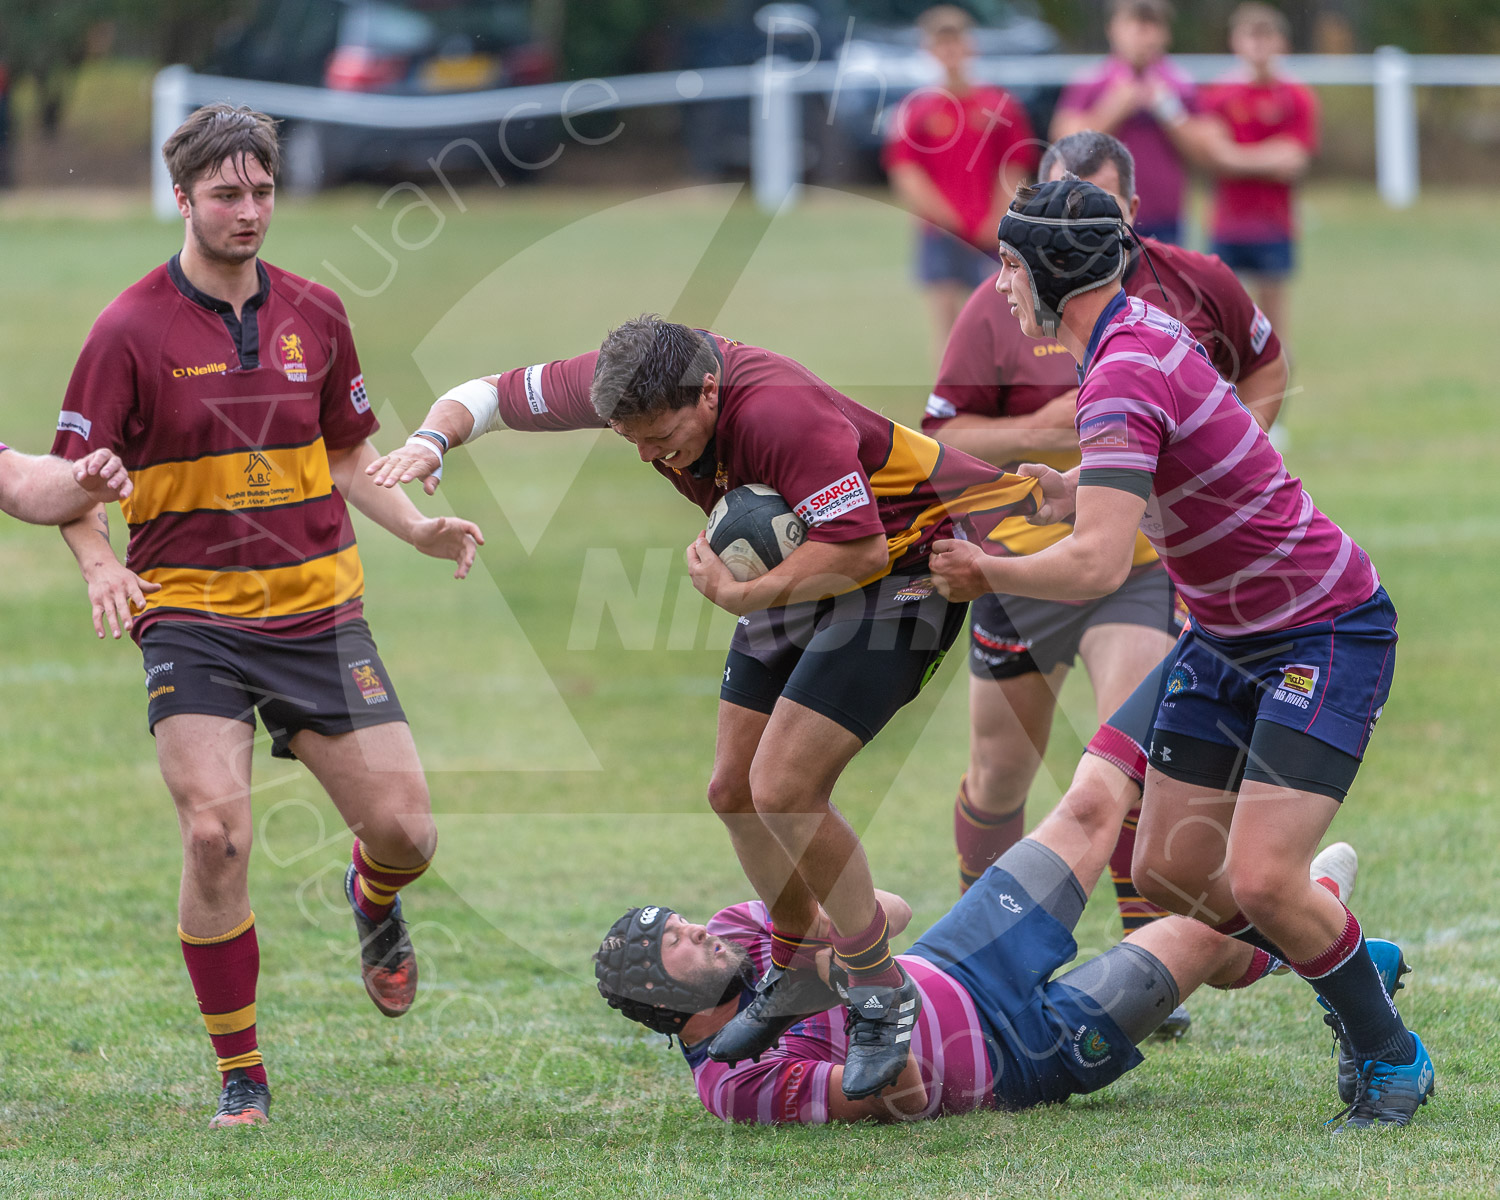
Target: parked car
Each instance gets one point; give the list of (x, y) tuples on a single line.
[(397, 47), (846, 145)]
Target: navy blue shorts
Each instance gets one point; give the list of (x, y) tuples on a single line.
[(1256, 258), (943, 258), (1328, 680), (1047, 1041)]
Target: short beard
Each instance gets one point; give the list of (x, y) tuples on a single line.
[(231, 257), (719, 979)]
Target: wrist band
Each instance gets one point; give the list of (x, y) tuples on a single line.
[(435, 435), (428, 444)]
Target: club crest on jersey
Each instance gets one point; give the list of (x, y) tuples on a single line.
[(1297, 685), (721, 477), (293, 357), (371, 689), (357, 395), (840, 496)]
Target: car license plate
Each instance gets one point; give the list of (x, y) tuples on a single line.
[(461, 73)]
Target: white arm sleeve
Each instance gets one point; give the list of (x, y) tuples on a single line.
[(482, 399)]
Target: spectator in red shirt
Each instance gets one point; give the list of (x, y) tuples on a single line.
[(1252, 224), (956, 153)]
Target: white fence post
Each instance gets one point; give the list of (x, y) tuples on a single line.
[(1396, 163), (775, 138), (170, 107)]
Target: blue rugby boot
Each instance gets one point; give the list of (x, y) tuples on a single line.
[(1390, 965), (1386, 1094)]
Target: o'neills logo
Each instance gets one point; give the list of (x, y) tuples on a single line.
[(841, 496)]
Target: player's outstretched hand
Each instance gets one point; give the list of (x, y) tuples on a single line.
[(1058, 491), (448, 537), (418, 460), (958, 570), (115, 592), (103, 477)]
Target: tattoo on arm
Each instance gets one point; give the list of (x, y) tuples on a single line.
[(103, 517)]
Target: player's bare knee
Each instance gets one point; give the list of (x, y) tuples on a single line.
[(211, 848), (729, 794), (1091, 808), (400, 840), (1263, 891)]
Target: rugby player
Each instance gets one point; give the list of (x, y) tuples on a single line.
[(1273, 692), (997, 1029), (233, 392), (44, 490), (1007, 398), (830, 643)]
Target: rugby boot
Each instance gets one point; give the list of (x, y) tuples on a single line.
[(782, 998), (242, 1102), (1390, 964), (1385, 1094), (1337, 864), (387, 962), (1178, 1022), (880, 1024)]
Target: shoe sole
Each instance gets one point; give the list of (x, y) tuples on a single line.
[(239, 1120), (402, 1005)]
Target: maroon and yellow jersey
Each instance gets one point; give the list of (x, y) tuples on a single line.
[(991, 369), (225, 425), (846, 470)]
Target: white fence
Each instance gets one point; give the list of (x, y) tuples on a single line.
[(774, 89)]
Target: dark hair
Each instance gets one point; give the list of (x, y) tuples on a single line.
[(1085, 153), (1154, 12), (647, 366), (216, 132)]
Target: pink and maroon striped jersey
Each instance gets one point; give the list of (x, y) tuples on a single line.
[(1244, 543), (790, 1083)]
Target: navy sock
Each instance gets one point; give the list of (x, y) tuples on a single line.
[(1345, 976)]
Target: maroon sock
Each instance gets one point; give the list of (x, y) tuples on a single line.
[(982, 837), (376, 887), (794, 952), (1261, 965), (1135, 910), (867, 954), (223, 970)]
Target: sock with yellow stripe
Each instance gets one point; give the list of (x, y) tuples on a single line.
[(223, 970), (867, 955), (981, 836), (1136, 911), (795, 952), (377, 885)]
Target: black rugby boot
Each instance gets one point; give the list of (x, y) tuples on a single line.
[(880, 1025), (782, 998)]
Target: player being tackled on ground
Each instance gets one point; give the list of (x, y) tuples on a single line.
[(997, 1028), (830, 643), (232, 390), (1273, 692)]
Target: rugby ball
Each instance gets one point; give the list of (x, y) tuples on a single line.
[(753, 529)]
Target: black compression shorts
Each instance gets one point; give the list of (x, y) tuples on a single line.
[(856, 658)]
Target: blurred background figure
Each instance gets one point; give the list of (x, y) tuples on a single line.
[(1252, 226), (1138, 95), (956, 153)]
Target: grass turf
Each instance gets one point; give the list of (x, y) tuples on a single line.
[(563, 699)]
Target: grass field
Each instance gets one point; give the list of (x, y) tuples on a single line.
[(563, 698)]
